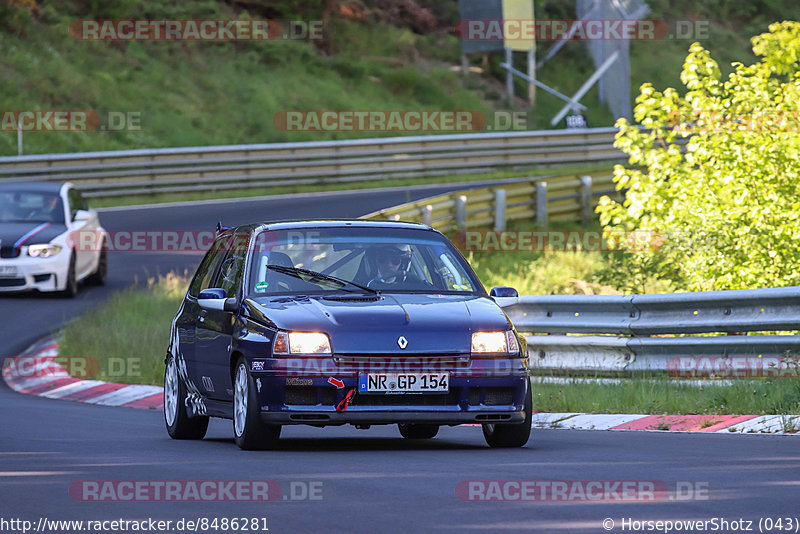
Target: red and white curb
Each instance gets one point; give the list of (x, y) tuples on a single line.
[(36, 372)]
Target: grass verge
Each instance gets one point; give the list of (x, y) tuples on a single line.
[(655, 397), (124, 339)]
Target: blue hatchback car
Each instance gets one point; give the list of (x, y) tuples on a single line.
[(343, 322)]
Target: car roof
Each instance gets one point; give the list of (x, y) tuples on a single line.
[(34, 187), (333, 223)]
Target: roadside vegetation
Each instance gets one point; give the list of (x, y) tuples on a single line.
[(376, 54)]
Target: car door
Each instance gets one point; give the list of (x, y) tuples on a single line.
[(215, 327), (85, 260), (186, 323)]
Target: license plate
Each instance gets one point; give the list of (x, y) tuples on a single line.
[(8, 271), (403, 382)]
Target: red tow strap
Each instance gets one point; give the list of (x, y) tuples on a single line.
[(342, 406)]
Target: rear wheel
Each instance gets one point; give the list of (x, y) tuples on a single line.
[(514, 435), (249, 431), (176, 417), (418, 431)]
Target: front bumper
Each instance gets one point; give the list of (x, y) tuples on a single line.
[(473, 399), (42, 274)]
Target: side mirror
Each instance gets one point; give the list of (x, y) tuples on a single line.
[(503, 291), (216, 299), (81, 215)]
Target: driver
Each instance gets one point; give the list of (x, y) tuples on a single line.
[(392, 263)]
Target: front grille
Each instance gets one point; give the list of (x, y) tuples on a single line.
[(409, 399), (309, 396), (12, 282), (474, 396), (9, 252), (499, 396), (303, 396)]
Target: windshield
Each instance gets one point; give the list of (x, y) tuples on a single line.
[(347, 259), (26, 206)]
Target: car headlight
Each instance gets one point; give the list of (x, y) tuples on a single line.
[(301, 343), (43, 251), (495, 342)]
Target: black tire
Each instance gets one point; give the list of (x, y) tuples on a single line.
[(71, 288), (98, 278), (254, 434), (418, 431), (511, 435), (182, 426)]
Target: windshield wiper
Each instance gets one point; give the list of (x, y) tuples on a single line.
[(297, 271)]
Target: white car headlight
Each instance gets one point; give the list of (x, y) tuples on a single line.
[(495, 342), (43, 251), (302, 343)]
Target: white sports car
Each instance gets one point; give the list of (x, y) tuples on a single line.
[(38, 250)]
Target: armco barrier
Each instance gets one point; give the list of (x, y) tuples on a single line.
[(643, 332), (172, 170)]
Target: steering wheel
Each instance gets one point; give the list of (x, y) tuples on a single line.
[(399, 276)]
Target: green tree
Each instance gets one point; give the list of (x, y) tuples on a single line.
[(713, 189)]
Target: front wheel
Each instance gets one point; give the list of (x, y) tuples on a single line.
[(249, 431), (98, 278), (179, 424), (513, 435), (418, 431), (71, 287)]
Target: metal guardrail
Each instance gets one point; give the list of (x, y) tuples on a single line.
[(173, 170), (543, 199), (627, 332)]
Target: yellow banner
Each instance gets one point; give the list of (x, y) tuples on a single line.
[(518, 21)]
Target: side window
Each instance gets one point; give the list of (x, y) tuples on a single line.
[(230, 274), (207, 269), (81, 202), (74, 202)]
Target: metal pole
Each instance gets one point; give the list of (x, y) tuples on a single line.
[(540, 85), (532, 74), (500, 209), (510, 77), (19, 137), (541, 205), (586, 200), (461, 212), (464, 64), (586, 86)]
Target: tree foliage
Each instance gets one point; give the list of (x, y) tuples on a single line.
[(714, 180)]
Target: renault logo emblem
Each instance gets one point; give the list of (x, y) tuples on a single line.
[(402, 342)]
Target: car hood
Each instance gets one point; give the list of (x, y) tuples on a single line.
[(10, 233), (430, 323)]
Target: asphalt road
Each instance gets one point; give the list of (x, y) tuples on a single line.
[(371, 481)]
